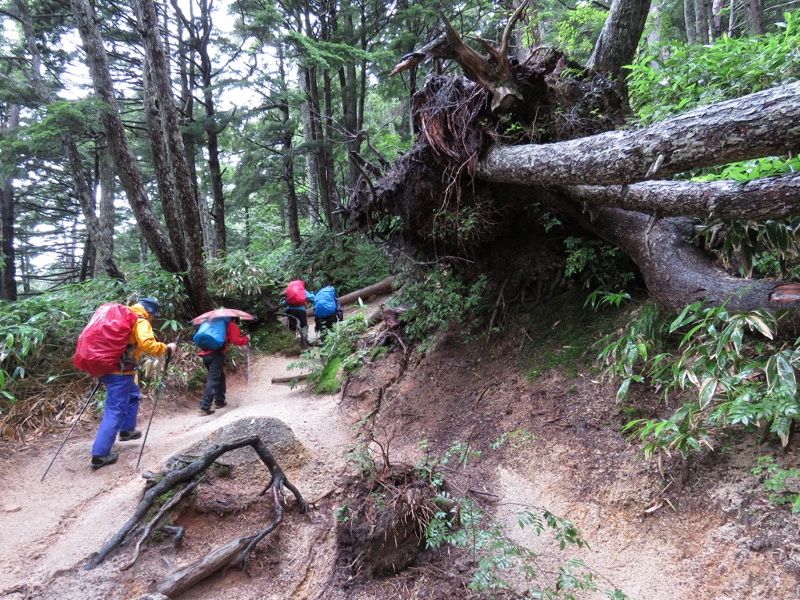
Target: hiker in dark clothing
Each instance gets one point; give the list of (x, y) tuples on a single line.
[(214, 362), (122, 392), (327, 310), (295, 300)]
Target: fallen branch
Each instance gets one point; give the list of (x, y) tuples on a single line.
[(289, 379)]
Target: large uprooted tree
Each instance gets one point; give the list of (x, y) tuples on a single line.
[(517, 141)]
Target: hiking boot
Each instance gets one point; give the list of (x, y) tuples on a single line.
[(127, 436), (222, 404), (205, 411), (102, 461)]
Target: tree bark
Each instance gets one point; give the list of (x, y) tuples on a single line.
[(287, 134), (8, 260), (619, 38), (754, 10), (124, 160), (761, 124), (757, 200), (677, 273), (155, 58), (689, 21), (212, 129)]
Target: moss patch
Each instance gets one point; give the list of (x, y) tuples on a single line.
[(564, 334)]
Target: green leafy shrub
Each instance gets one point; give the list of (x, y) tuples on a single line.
[(770, 247), (784, 484), (437, 300), (724, 369), (596, 263), (348, 263), (41, 331), (461, 522), (342, 353), (695, 75)]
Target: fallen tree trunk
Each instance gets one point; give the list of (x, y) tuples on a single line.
[(760, 199), (762, 124), (382, 287)]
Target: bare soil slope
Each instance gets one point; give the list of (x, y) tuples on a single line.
[(706, 532)]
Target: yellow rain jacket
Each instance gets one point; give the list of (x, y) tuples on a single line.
[(141, 339)]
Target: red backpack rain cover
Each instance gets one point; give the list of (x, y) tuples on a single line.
[(296, 293), (103, 341)]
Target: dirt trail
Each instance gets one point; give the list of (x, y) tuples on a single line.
[(572, 466), (51, 526)]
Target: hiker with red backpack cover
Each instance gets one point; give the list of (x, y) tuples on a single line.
[(295, 299), (214, 362), (105, 352)]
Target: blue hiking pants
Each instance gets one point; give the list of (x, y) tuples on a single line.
[(122, 409)]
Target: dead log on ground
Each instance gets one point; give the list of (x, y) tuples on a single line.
[(382, 287), (289, 379), (278, 480)]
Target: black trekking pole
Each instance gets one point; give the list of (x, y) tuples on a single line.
[(155, 402), (69, 433), (247, 394)]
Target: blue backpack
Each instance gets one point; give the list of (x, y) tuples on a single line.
[(211, 335), (325, 302)]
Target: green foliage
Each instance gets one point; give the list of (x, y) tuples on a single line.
[(784, 484), (348, 263), (341, 354), (695, 75), (725, 369), (235, 275), (769, 248), (577, 29), (597, 264), (437, 300)]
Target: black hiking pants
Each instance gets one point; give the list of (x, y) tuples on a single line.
[(214, 362)]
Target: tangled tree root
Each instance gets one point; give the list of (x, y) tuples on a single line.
[(235, 552), (381, 527)]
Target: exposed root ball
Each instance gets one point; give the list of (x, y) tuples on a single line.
[(381, 528)]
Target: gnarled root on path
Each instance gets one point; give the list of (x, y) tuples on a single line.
[(234, 552)]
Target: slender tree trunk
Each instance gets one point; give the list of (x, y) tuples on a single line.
[(8, 263), (288, 157), (701, 21), (690, 21), (754, 10), (328, 201), (619, 38), (620, 35), (212, 130), (124, 160), (176, 156), (308, 138), (348, 83), (105, 210), (186, 65), (165, 177)]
